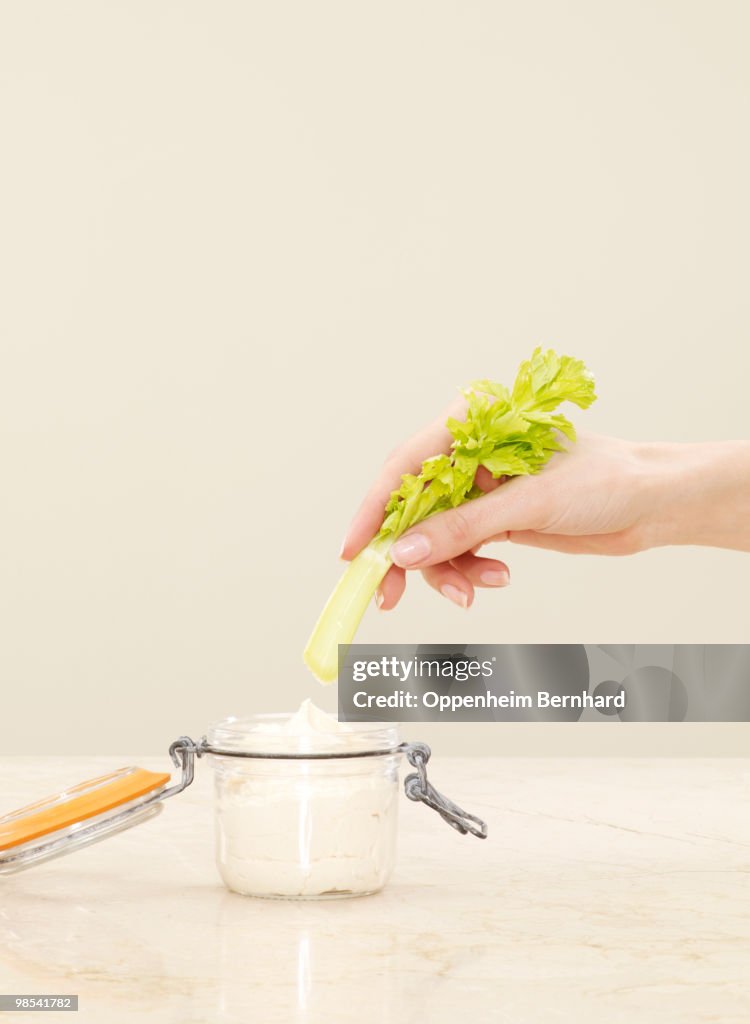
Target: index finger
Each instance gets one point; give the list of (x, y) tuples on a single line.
[(434, 439)]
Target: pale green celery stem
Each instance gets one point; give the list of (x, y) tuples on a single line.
[(345, 607)]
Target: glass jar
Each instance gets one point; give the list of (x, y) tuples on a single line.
[(304, 816), (308, 816)]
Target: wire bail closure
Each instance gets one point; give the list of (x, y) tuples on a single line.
[(419, 788), (416, 785), (128, 809)]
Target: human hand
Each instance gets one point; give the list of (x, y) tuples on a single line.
[(603, 496)]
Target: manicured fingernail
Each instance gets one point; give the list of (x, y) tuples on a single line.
[(455, 595), (495, 577), (379, 599), (341, 549), (410, 550)]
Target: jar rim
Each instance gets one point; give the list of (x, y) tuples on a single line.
[(262, 734)]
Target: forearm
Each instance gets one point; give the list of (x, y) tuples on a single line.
[(699, 494)]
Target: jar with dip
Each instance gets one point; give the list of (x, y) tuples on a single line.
[(306, 806)]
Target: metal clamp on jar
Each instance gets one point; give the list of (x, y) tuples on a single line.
[(296, 817)]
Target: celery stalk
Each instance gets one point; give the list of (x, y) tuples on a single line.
[(508, 433), (344, 609)]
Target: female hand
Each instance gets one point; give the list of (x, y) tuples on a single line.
[(602, 496)]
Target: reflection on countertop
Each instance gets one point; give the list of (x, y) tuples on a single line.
[(608, 890)]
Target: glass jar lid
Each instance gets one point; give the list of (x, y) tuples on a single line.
[(78, 816)]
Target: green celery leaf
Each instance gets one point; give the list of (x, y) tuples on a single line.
[(510, 433)]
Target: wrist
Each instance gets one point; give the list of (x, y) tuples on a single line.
[(697, 494)]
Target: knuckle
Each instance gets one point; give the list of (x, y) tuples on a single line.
[(456, 407), (458, 528), (392, 456)]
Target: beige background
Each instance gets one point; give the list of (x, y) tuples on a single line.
[(246, 247)]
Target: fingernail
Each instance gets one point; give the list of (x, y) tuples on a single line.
[(341, 549), (410, 550), (379, 599), (495, 577), (455, 595)]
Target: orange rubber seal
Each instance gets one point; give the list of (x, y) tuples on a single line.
[(86, 800)]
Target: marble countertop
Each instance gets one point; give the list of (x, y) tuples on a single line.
[(608, 891)]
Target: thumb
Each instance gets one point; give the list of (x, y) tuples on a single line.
[(451, 533)]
